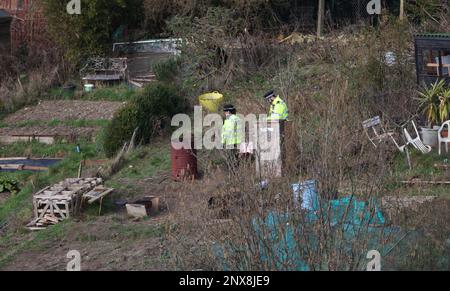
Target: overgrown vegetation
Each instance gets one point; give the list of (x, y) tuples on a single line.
[(330, 87), (8, 185), (91, 32), (331, 84), (150, 112)]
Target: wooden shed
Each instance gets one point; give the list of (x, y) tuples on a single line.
[(432, 57), (5, 32)]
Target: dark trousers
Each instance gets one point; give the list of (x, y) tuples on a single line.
[(232, 160)]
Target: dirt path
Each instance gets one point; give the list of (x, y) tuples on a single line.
[(109, 243)]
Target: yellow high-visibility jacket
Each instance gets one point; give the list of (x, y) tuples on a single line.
[(231, 130), (278, 110)]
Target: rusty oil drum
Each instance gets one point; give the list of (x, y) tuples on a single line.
[(184, 162)]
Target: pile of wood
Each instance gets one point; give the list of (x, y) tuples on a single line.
[(142, 80), (63, 200)]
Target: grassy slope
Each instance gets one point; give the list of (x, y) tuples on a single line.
[(17, 210), (145, 162), (423, 168)]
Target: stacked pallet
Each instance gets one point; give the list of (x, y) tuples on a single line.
[(60, 201)]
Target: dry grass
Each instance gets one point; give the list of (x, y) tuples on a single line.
[(330, 92)]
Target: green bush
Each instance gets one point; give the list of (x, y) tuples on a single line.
[(150, 111), (167, 71), (120, 129), (9, 185)]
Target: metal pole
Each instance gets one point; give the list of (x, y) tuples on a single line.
[(320, 17), (402, 9)]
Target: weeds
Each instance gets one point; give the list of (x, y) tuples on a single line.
[(329, 94)]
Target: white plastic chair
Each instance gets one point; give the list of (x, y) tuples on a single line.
[(400, 148), (416, 142), (442, 139)]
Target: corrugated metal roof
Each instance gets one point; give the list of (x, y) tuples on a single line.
[(445, 35)]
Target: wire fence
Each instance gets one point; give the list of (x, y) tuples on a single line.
[(303, 13)]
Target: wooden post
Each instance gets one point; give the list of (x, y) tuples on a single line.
[(320, 17), (402, 9)]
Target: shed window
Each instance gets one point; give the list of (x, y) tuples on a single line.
[(436, 62)]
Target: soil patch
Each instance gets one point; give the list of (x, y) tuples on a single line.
[(66, 110)]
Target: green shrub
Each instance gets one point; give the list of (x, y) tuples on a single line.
[(157, 104), (9, 185), (167, 71), (120, 129), (150, 111)]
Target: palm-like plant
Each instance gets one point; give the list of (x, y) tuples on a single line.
[(430, 102), (444, 106)]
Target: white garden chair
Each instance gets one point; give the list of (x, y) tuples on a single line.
[(442, 139), (376, 133), (416, 142)]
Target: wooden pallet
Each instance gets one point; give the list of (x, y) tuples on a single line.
[(60, 201)]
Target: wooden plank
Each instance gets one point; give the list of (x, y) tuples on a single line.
[(52, 212), (419, 182), (56, 198), (16, 167), (42, 190), (8, 139), (35, 168), (22, 167), (13, 159), (136, 210), (142, 80), (96, 195), (35, 228), (51, 218), (42, 212), (139, 85)]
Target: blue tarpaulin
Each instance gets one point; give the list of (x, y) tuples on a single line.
[(357, 220)]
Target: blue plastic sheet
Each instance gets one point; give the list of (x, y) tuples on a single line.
[(353, 218)]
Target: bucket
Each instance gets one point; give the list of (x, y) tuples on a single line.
[(430, 136), (211, 101), (88, 87), (309, 195)]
